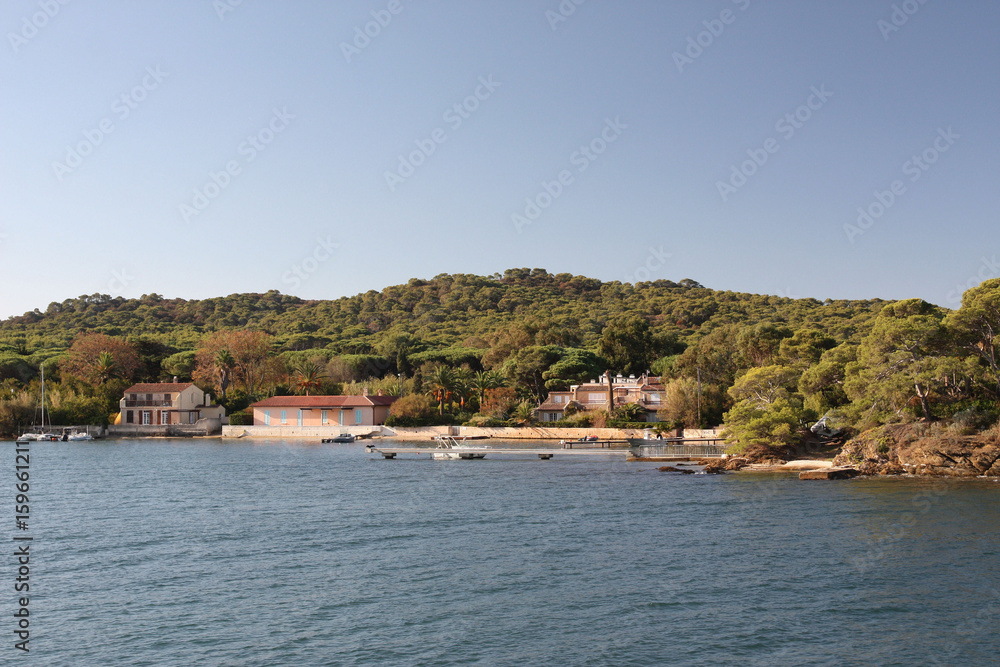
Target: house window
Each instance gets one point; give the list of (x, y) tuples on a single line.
[(357, 416), (129, 418), (164, 417), (267, 417), (595, 398), (324, 418), (301, 412), (131, 397), (340, 418), (284, 416), (149, 399), (147, 417), (193, 417)]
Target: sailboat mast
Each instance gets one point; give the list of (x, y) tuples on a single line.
[(42, 367)]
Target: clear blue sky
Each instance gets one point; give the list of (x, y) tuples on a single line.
[(184, 86)]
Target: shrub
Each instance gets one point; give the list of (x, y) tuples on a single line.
[(499, 402), (413, 407), (579, 420), (974, 419), (241, 419), (621, 423), (485, 421)]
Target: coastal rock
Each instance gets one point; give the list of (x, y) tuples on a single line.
[(736, 463), (673, 469), (830, 473), (922, 449), (713, 466)]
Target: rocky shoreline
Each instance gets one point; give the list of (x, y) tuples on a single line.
[(896, 449), (917, 449)]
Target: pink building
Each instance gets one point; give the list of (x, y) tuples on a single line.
[(322, 410), (645, 390)]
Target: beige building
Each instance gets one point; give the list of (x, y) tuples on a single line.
[(644, 390), (167, 403)]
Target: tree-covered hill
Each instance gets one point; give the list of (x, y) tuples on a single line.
[(488, 349), (446, 311)]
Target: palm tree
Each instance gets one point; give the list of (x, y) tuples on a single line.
[(484, 380), (105, 367), (462, 384), (309, 377), (631, 412), (224, 364), (524, 413), (440, 383)]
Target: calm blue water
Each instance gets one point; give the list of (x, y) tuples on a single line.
[(182, 552)]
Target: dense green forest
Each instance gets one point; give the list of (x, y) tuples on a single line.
[(488, 348)]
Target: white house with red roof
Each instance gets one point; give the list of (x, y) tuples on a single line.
[(322, 410), (158, 404)]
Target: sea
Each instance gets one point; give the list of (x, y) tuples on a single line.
[(286, 552)]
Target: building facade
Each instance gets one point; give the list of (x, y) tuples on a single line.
[(322, 410), (646, 391), (167, 403)]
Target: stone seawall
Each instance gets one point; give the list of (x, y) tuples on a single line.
[(203, 427), (292, 431)]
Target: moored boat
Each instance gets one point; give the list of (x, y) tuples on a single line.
[(448, 443)]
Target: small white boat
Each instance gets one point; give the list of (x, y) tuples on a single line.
[(447, 443), (76, 435)]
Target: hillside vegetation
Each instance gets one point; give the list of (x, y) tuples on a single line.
[(494, 345)]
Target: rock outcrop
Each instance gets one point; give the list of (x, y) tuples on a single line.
[(842, 472), (922, 449)]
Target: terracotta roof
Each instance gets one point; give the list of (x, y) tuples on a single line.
[(158, 387), (382, 400), (594, 387), (319, 402)]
